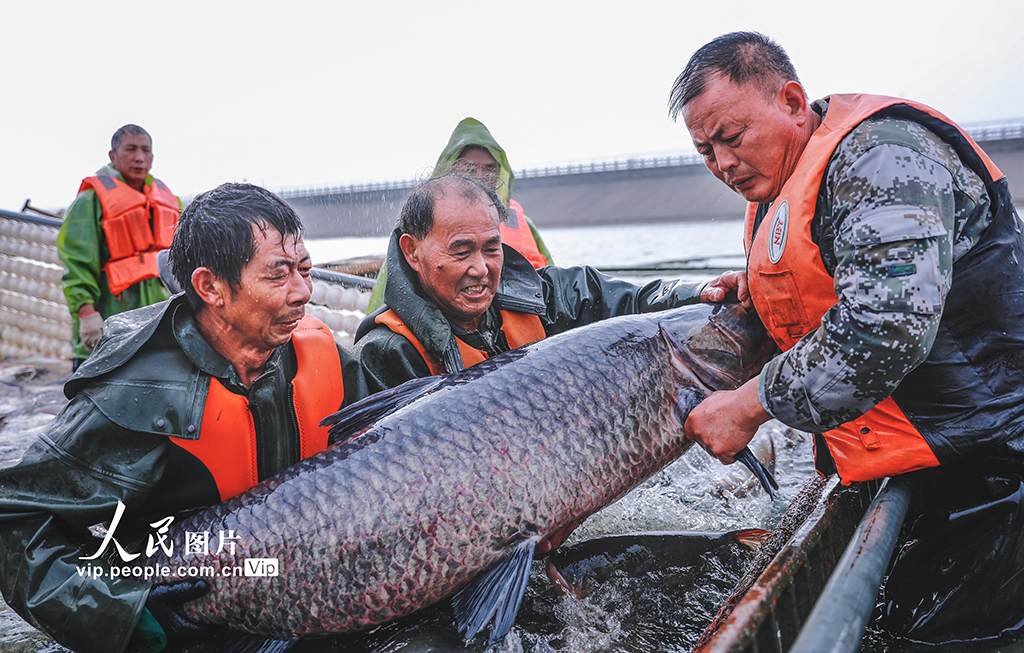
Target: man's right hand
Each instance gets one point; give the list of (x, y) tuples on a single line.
[(727, 421), (90, 329), (730, 286)]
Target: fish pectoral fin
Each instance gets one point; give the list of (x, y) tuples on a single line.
[(360, 416), (550, 544), (495, 594), (752, 538), (562, 586)]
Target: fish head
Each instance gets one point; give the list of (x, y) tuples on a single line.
[(717, 346)]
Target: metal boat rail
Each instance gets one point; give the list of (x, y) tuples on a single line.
[(34, 218), (813, 585)]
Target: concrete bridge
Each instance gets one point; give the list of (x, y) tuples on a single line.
[(639, 190)]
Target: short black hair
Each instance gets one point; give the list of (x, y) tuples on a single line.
[(746, 57), (127, 130), (215, 231), (417, 216)]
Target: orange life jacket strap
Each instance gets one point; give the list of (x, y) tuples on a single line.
[(227, 437), (319, 384), (519, 329), (516, 233), (227, 441), (116, 197)]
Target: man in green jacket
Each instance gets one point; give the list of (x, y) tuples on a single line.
[(472, 150), (123, 185), (457, 295)]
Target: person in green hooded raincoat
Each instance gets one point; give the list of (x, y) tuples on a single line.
[(82, 246), (472, 150)]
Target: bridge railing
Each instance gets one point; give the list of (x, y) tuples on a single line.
[(613, 165), (980, 131), (999, 130)]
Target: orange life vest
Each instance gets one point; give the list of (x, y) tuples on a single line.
[(516, 233), (136, 226), (519, 329), (792, 290), (227, 435)]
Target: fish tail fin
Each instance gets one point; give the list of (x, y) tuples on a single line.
[(238, 642), (495, 594)]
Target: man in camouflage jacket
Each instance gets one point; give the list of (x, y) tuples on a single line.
[(883, 257)]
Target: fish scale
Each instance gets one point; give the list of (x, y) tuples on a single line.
[(440, 490)]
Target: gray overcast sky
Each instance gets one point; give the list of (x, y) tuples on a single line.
[(298, 94)]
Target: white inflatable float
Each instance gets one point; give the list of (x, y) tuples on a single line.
[(34, 317)]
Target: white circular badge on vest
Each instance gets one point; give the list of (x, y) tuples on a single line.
[(777, 236)]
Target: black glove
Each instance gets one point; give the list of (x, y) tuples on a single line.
[(164, 603)]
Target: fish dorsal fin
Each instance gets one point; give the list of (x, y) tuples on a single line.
[(495, 594), (356, 418)]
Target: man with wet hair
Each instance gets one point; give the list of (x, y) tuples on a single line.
[(882, 245), (182, 404), (456, 295), (121, 220)]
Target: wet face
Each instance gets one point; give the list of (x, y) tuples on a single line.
[(133, 158), (479, 163), (265, 308), (459, 261), (750, 141)]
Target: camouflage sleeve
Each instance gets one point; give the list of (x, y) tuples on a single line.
[(896, 202)]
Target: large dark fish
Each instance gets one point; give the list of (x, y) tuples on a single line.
[(459, 478)]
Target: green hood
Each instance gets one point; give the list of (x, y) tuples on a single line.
[(473, 132)]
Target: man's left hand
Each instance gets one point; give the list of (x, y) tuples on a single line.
[(726, 421), (90, 329)]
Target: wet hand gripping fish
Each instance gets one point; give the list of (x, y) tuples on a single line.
[(447, 486)]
